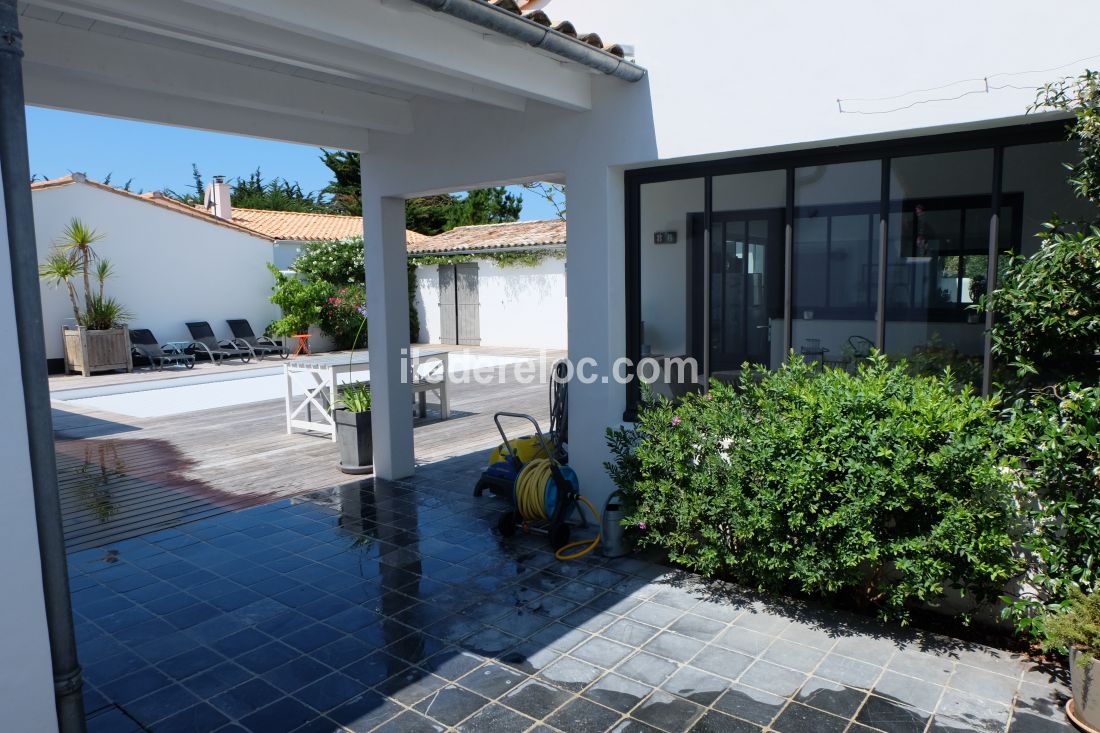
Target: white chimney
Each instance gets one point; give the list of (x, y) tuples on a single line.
[(216, 200)]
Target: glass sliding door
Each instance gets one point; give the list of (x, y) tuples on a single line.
[(938, 255), (836, 256), (744, 273)]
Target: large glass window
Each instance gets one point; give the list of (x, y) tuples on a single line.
[(719, 281), (836, 245), (670, 229), (937, 258), (745, 271)]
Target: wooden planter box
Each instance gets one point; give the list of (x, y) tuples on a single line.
[(96, 351)]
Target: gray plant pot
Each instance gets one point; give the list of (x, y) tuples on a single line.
[(356, 441), (1085, 682)]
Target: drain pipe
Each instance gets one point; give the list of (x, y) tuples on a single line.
[(23, 250), (500, 20)]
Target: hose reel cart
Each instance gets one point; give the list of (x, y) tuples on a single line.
[(532, 473)]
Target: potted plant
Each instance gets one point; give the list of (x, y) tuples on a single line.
[(1076, 629), (99, 340), (353, 429), (352, 418)]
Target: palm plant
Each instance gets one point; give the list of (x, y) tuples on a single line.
[(61, 268), (103, 270), (73, 258), (77, 239)]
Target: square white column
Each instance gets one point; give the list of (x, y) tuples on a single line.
[(388, 333)]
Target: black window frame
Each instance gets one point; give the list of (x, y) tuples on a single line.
[(995, 138)]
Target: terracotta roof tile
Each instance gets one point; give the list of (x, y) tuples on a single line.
[(306, 226), (513, 235), (532, 10), (269, 225)]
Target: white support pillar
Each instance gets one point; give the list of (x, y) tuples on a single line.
[(388, 333), (596, 303)]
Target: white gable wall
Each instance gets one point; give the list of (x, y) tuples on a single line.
[(170, 268)]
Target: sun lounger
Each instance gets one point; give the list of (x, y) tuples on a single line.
[(205, 343), (261, 346), (144, 343)]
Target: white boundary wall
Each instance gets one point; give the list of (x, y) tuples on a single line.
[(170, 268), (521, 306)]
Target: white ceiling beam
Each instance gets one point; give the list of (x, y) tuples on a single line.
[(428, 40), (231, 32), (46, 87), (121, 62)]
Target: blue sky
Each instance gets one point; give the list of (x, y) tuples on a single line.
[(156, 157)]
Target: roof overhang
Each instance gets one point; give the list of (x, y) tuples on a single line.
[(318, 73)]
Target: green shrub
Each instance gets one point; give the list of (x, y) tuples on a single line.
[(301, 302), (1077, 626), (1057, 433), (880, 484), (1048, 308)]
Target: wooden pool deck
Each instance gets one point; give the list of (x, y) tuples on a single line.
[(123, 476)]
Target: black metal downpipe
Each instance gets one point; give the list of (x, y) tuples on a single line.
[(23, 250)]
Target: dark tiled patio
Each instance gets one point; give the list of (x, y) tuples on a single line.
[(392, 607)]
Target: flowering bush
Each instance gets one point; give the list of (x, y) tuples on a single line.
[(883, 487), (1057, 433), (342, 315), (339, 262)]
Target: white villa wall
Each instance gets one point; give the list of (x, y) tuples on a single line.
[(26, 674), (520, 306), (170, 268)]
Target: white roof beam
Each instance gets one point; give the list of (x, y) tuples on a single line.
[(229, 31), (120, 62)]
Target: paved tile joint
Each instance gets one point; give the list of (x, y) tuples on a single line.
[(393, 607)]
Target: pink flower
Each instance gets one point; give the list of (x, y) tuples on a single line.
[(675, 421), (641, 525)]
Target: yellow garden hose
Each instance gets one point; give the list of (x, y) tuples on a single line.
[(531, 505)]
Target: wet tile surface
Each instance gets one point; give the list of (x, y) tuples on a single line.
[(393, 606)]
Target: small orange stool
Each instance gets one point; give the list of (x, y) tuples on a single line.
[(303, 344)]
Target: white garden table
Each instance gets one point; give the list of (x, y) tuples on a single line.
[(319, 377)]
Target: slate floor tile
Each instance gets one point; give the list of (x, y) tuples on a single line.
[(750, 704), (602, 652), (668, 712), (451, 704), (773, 678), (891, 717), (495, 718), (617, 692), (716, 722), (583, 715), (492, 680), (535, 698), (831, 697), (696, 685), (909, 691), (647, 668), (570, 674), (797, 718)]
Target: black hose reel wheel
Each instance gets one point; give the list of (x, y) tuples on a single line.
[(506, 525), (559, 535)]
